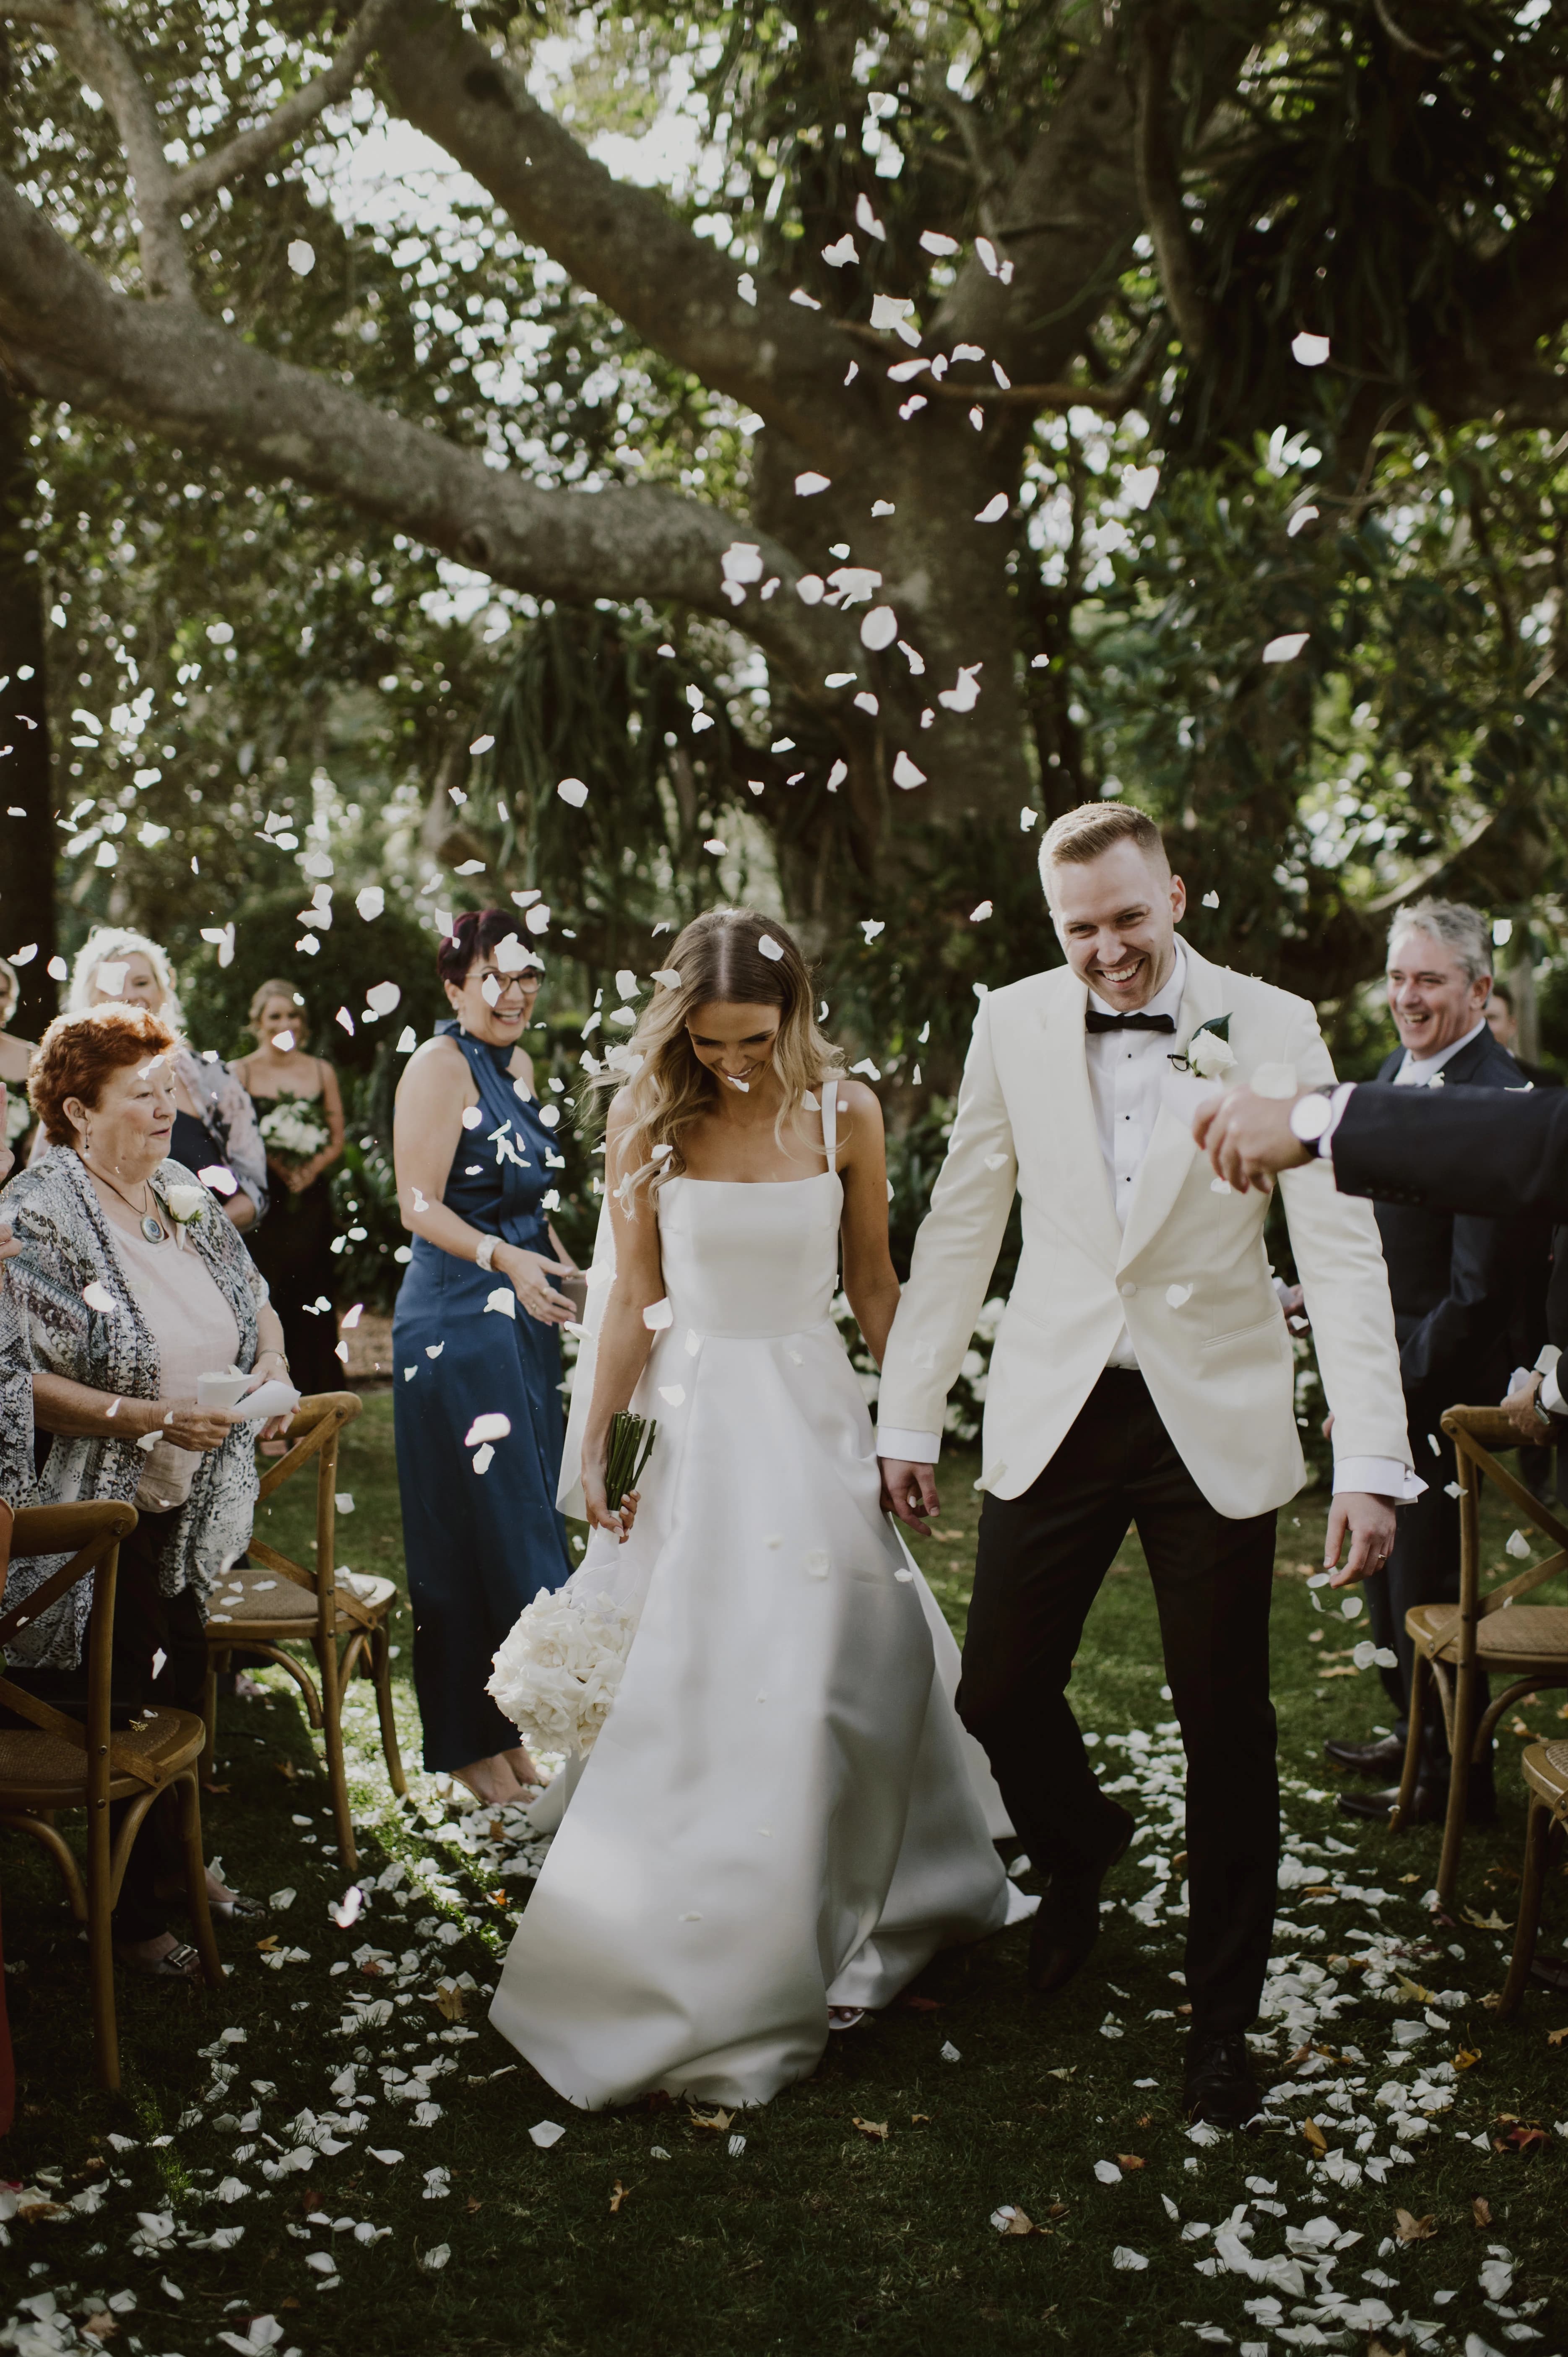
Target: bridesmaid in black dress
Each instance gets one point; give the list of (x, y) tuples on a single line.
[(292, 1244)]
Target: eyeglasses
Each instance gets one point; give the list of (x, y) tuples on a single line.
[(505, 982)]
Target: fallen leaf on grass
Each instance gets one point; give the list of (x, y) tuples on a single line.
[(1414, 2230), (1521, 2139), (103, 2327), (1313, 2135), (1557, 2037), (287, 1771), (1300, 2055), (32, 2213), (1130, 2160), (1410, 1878), (1414, 1990), (1062, 2074), (1011, 2221), (450, 2001), (919, 2119), (1466, 2058), (1481, 2211), (717, 2120), (1492, 1923), (264, 1947), (618, 2196), (877, 2129)]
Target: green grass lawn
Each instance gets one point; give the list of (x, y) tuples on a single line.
[(817, 2236)]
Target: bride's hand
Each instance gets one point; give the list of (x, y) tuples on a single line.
[(600, 1517)]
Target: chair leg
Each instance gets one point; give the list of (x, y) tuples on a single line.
[(1461, 1735), (40, 1824), (1532, 1883), (196, 1878), (101, 1949), (332, 1740), (210, 1720), (381, 1670), (1411, 1771)]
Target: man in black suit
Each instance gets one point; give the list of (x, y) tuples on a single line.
[(1458, 1283)]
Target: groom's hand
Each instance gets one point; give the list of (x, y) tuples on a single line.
[(1368, 1523), (910, 1491)]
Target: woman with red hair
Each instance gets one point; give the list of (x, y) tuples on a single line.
[(128, 1284)]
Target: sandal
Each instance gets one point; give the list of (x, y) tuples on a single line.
[(237, 1908), (845, 2017), (181, 1963)]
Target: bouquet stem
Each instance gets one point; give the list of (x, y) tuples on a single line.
[(631, 1445)]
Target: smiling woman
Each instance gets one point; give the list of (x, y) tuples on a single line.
[(477, 1398), (128, 1285)]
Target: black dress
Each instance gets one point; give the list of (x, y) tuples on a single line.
[(291, 1244)]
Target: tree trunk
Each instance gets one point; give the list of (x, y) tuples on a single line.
[(27, 793)]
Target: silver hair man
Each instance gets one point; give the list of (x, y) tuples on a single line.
[(1459, 927)]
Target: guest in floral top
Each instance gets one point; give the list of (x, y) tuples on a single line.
[(127, 1285)]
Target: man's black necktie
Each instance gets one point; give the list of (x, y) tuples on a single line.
[(1141, 1021)]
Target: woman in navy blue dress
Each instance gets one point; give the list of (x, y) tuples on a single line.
[(473, 1336)]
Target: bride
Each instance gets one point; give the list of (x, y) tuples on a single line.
[(782, 1818)]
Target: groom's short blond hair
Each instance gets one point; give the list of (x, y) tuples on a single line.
[(1081, 835)]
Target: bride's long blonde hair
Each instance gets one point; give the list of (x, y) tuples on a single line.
[(747, 960)]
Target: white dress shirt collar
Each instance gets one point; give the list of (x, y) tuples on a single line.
[(1419, 1072)]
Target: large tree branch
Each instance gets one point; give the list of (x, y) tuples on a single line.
[(286, 123), (1159, 184), (622, 242), (98, 56), (165, 368)]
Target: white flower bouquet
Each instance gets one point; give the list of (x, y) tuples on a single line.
[(290, 1131), (557, 1674)]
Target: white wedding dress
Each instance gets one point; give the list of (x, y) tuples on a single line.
[(782, 1812)]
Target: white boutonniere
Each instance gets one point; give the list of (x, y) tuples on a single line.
[(1209, 1053), (184, 1206)]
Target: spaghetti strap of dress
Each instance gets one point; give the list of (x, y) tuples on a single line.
[(830, 1122)]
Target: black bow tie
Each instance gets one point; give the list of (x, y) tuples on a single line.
[(1141, 1021)]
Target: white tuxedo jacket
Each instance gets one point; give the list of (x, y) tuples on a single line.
[(1216, 1358)]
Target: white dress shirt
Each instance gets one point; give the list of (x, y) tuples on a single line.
[(1125, 1070)]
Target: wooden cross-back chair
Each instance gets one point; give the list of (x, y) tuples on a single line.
[(58, 1762), (274, 1604), (1487, 1633), (1546, 1782)]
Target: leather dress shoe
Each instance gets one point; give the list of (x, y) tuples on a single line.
[(1428, 1807), (1220, 2087), (1378, 1759), (1067, 1921)]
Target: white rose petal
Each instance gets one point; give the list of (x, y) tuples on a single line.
[(979, 912), (808, 485), (769, 947), (1124, 2257), (1352, 1607), (674, 1394), (817, 1563), (994, 510), (1310, 350), (1108, 2172), (656, 1315), (492, 1427), (370, 901), (544, 2132), (905, 774), (878, 628), (1287, 647), (949, 2051), (932, 240), (1516, 1544), (843, 252), (1177, 1296), (301, 257), (573, 791)]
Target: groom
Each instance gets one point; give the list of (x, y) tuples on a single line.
[(1143, 1375)]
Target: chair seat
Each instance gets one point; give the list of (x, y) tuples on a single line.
[(252, 1594), (1545, 1769), (1520, 1633), (40, 1770)]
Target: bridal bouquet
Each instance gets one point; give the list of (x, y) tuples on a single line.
[(292, 1132), (557, 1674)]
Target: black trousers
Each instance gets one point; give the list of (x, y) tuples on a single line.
[(1041, 1560), (1423, 1568), (147, 1623)]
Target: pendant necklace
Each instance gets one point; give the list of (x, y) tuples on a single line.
[(152, 1226)]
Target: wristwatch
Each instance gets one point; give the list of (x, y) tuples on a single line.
[(1312, 1115)]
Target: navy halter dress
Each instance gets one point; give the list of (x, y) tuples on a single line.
[(479, 1546)]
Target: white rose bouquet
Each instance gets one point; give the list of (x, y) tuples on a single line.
[(557, 1674), (290, 1131)]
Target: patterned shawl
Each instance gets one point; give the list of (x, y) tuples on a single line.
[(48, 1326)]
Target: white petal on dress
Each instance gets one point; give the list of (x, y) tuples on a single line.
[(782, 1811)]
